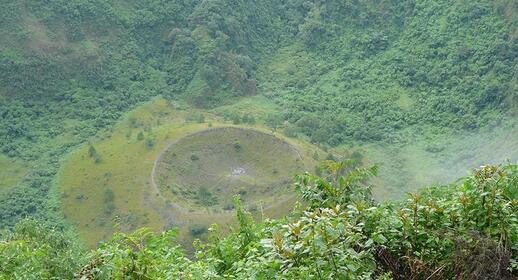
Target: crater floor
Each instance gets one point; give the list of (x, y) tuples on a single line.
[(207, 168)]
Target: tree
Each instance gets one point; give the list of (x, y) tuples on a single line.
[(342, 183), (237, 146), (274, 121), (108, 195), (92, 152), (150, 143)]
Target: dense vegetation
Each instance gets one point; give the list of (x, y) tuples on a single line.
[(440, 65), (468, 230), (337, 72), (70, 68)]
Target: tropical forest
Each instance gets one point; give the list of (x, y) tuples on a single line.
[(276, 139)]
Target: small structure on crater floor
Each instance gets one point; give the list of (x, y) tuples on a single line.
[(238, 171)]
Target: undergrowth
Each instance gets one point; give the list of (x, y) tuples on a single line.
[(466, 230)]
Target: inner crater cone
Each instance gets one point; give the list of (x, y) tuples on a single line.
[(207, 168)]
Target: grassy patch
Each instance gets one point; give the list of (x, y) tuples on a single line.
[(256, 106), (117, 190)]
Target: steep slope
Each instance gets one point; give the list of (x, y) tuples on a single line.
[(343, 72), (369, 70)]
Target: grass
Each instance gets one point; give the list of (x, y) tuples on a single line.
[(224, 162), (125, 168), (127, 161), (257, 106)]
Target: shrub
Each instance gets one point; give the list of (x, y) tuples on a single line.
[(205, 197), (98, 158), (197, 230), (467, 230), (236, 119), (92, 152), (133, 122), (250, 119), (290, 131), (34, 250), (150, 143), (108, 195), (109, 208)]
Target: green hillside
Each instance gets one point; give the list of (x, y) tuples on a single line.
[(466, 230), (96, 95)]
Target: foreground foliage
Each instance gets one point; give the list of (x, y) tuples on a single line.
[(468, 230), (34, 251)]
